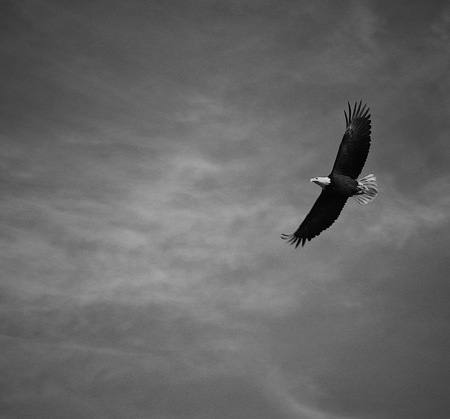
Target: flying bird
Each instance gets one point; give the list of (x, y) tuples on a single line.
[(342, 183)]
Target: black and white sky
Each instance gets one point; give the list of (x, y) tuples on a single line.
[(151, 154)]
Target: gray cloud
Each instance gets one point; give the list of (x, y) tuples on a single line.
[(151, 155)]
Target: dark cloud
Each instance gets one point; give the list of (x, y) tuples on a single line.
[(152, 153), (384, 352)]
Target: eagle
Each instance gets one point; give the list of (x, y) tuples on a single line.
[(342, 183)]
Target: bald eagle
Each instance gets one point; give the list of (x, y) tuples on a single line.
[(342, 182)]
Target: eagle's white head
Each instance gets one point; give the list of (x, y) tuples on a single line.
[(323, 182)]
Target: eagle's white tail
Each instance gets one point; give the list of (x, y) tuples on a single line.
[(367, 189)]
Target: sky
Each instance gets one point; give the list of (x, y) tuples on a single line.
[(151, 154)]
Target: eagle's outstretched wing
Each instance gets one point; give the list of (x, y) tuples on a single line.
[(324, 212), (355, 144)]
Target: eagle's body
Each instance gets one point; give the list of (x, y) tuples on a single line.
[(342, 183)]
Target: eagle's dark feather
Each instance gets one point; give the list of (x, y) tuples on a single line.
[(355, 144), (325, 211), (350, 159)]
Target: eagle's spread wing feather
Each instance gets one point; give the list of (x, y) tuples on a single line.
[(355, 144), (324, 212)]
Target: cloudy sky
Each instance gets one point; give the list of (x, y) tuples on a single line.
[(151, 154)]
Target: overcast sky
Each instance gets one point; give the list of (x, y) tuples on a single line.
[(152, 152)]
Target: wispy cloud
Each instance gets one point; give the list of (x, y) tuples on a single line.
[(151, 156)]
